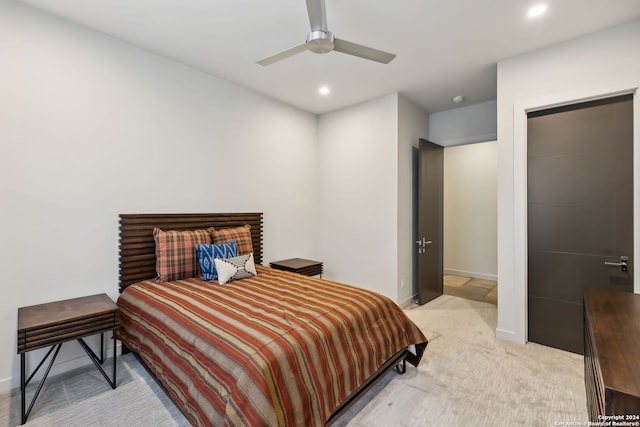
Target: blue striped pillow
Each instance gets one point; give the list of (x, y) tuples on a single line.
[(207, 253)]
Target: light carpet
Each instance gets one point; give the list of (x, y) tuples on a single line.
[(467, 377), (470, 378)]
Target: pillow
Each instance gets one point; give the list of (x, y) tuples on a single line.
[(242, 235), (176, 253), (207, 253), (240, 267)]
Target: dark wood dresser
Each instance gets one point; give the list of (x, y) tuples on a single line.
[(612, 353)]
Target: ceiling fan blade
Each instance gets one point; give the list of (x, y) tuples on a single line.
[(317, 15), (283, 55), (362, 51)]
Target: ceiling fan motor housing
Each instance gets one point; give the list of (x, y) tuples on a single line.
[(320, 41)]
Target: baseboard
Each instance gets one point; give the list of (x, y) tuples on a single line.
[(59, 367), (5, 385), (505, 335), (408, 302), (471, 274)]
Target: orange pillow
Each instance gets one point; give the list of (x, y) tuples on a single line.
[(176, 256), (242, 236)]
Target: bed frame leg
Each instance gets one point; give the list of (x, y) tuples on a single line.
[(401, 367), (125, 349)]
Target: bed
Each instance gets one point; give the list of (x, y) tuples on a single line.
[(275, 349)]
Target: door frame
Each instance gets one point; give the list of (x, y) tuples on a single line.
[(519, 284)]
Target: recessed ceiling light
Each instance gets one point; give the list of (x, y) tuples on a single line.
[(324, 90), (537, 10)]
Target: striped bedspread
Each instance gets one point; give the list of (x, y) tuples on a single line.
[(278, 349)]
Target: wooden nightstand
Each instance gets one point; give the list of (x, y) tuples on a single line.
[(55, 323), (299, 265)]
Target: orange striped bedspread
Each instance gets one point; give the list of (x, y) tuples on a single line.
[(278, 349)]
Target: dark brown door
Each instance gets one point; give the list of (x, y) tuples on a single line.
[(429, 240), (580, 213)]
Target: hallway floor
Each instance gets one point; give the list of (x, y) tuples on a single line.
[(470, 288)]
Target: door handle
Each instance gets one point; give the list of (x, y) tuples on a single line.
[(622, 264), (422, 245)]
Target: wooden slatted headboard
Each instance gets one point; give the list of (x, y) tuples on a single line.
[(137, 257)]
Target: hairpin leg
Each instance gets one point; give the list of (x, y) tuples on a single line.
[(401, 368)]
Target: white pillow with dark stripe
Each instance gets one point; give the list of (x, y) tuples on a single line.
[(235, 268)]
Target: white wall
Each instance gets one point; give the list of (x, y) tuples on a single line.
[(464, 125), (357, 200), (592, 66), (91, 127), (413, 124), (366, 191), (470, 210)]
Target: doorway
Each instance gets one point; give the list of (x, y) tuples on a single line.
[(467, 241), (470, 221), (579, 213)]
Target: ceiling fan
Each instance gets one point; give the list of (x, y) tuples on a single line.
[(321, 40)]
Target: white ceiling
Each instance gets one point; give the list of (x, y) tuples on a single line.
[(444, 47)]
